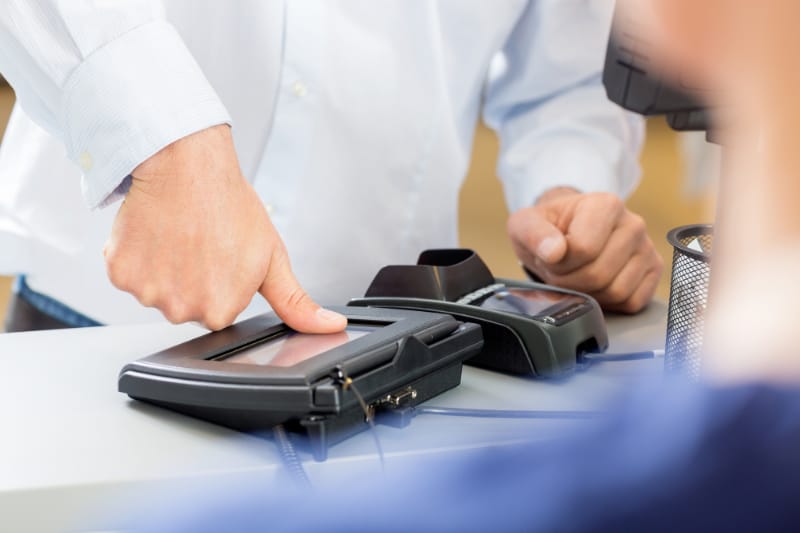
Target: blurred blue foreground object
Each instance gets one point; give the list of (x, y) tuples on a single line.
[(671, 456)]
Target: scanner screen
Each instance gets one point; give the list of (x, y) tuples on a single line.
[(292, 348), (531, 302)]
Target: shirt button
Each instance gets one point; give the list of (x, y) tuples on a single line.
[(85, 161), (269, 209), (299, 89)]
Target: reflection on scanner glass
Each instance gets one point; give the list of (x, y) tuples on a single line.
[(293, 347)]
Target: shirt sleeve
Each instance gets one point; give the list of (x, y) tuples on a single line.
[(112, 79), (545, 98)]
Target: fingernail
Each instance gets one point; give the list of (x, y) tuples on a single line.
[(547, 247), (328, 315)]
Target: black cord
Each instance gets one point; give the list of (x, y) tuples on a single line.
[(290, 458), (504, 413), (371, 422), (346, 382)]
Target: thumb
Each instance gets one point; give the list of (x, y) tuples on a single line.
[(292, 304), (542, 237)]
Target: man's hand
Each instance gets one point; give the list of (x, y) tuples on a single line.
[(193, 240), (589, 243)]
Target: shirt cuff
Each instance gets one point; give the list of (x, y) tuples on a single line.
[(128, 100), (566, 162)]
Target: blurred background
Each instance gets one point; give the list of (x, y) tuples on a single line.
[(677, 187)]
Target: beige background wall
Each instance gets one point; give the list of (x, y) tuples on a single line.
[(660, 199), (6, 101)]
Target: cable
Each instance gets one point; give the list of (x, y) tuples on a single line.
[(371, 421), (346, 382), (290, 458), (505, 413), (617, 357)]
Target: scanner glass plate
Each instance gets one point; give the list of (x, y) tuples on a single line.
[(293, 347), (531, 302)]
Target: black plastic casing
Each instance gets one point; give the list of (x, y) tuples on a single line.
[(415, 351), (544, 346), (516, 344), (630, 82)]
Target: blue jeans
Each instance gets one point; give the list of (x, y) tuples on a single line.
[(50, 308)]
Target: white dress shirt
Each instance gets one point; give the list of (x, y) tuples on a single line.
[(353, 119)]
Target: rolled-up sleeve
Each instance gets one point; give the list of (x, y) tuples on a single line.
[(545, 98), (112, 79)]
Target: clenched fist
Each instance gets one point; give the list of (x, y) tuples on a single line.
[(589, 243)]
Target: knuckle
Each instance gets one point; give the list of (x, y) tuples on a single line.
[(296, 297), (610, 201), (617, 294), (117, 273), (631, 306), (177, 312), (512, 222), (213, 324), (149, 296), (637, 224), (584, 250), (659, 264), (516, 228), (595, 279), (217, 320), (280, 255), (171, 318), (638, 301)]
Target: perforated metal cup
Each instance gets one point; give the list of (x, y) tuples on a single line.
[(688, 298)]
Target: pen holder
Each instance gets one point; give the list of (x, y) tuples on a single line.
[(688, 298)]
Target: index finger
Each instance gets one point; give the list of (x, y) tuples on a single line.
[(292, 303)]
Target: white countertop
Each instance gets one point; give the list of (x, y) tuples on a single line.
[(73, 448)]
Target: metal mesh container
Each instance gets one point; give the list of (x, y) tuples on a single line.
[(688, 298)]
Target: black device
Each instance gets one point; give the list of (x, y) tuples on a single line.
[(528, 328), (258, 373), (631, 83)]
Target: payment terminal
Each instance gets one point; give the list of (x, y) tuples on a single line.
[(259, 373), (528, 328)]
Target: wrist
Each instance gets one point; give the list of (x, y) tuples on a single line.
[(204, 145)]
